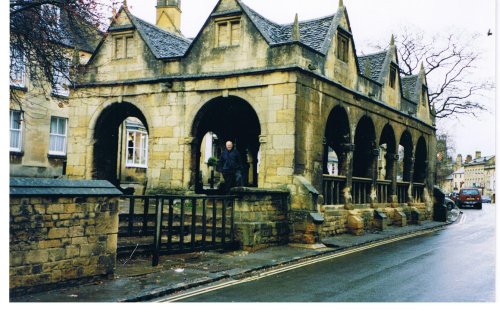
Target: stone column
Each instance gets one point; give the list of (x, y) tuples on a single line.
[(348, 150), (412, 171), (392, 159), (373, 189)]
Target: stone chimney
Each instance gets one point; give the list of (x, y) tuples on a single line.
[(459, 161), (468, 159), (168, 15), (478, 154)]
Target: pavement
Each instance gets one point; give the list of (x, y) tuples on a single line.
[(136, 280)]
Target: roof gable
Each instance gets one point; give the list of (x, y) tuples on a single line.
[(314, 34), (374, 62)]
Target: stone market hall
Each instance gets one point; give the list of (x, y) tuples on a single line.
[(346, 137)]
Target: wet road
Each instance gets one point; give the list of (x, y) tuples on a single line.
[(456, 264)]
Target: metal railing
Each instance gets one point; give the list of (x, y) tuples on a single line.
[(166, 224)]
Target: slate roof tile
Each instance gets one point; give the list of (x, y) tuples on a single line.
[(409, 85), (313, 33), (162, 43), (376, 63)]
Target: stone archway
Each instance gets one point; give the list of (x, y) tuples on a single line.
[(420, 167), (229, 118), (106, 139), (406, 143), (387, 148), (364, 142), (337, 135)]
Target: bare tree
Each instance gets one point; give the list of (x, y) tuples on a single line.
[(449, 64), (46, 37)]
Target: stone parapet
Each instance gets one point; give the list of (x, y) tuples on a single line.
[(261, 217)]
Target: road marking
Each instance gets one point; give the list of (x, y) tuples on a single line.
[(290, 267), (463, 218)]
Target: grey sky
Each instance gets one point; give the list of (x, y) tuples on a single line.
[(374, 22)]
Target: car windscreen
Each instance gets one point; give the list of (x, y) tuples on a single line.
[(470, 192)]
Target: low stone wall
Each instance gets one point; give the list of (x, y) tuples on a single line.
[(56, 238), (339, 220), (261, 217)]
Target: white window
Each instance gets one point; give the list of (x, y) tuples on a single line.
[(137, 148), (17, 68), (58, 135), (51, 15), (16, 132), (61, 82)]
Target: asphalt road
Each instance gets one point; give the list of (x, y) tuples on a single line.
[(456, 264)]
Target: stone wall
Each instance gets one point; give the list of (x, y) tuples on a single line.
[(55, 240), (261, 217)]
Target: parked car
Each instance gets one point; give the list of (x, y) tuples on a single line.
[(486, 199), (453, 196), (450, 204), (469, 197)]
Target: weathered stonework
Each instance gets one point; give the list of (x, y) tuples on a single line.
[(58, 239)]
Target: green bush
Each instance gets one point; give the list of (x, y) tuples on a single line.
[(212, 161)]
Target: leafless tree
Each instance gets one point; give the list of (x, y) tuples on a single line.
[(43, 33), (449, 62)]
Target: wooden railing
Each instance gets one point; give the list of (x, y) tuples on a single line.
[(361, 188), (418, 192), (402, 191), (332, 189), (167, 224), (383, 187)]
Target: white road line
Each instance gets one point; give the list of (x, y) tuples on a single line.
[(288, 268)]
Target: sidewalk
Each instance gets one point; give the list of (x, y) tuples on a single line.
[(137, 280)]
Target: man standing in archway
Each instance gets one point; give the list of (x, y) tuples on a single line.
[(230, 166)]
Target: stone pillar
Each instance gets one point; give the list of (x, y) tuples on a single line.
[(373, 188), (412, 171), (392, 159), (348, 150)]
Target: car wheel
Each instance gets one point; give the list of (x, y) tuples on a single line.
[(479, 206)]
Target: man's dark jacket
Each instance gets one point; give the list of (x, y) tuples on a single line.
[(229, 161)]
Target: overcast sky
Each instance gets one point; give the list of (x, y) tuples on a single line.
[(374, 22)]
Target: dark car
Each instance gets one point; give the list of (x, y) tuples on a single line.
[(469, 197), (450, 204), (486, 199)]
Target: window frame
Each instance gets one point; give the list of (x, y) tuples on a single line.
[(392, 76), (125, 39), (19, 130), (60, 79), (48, 11), (229, 22), (143, 149), (343, 42), (21, 71), (57, 135)]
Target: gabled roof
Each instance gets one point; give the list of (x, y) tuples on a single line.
[(409, 85), (315, 33), (376, 62), (162, 43)]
